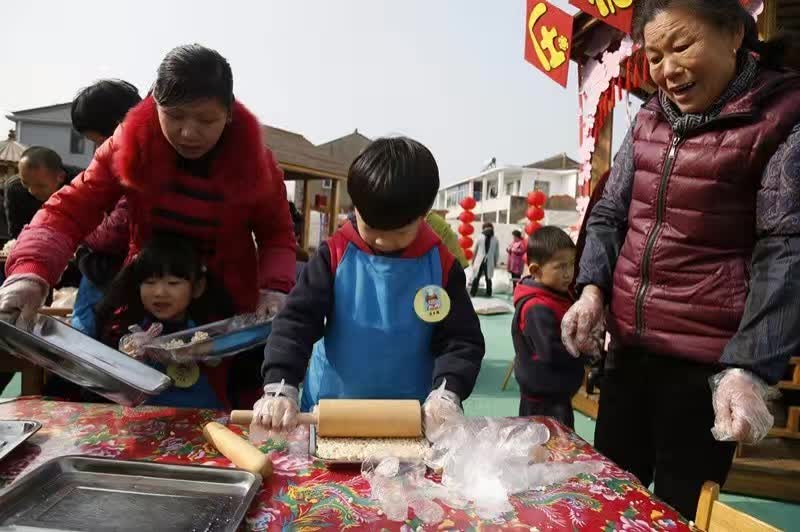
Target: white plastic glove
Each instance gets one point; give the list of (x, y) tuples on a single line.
[(441, 409), (583, 327), (134, 344), (740, 406), (270, 302), (276, 411), (21, 297)]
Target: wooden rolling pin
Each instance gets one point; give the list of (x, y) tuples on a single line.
[(238, 450), (357, 418)]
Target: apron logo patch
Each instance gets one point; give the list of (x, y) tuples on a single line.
[(432, 304), (184, 375)]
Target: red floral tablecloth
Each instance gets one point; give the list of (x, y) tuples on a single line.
[(303, 495)]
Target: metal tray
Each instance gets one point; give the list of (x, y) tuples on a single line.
[(225, 338), (14, 432), (59, 348), (79, 493)]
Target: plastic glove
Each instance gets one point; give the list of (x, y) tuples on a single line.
[(270, 302), (583, 327), (441, 409), (740, 407), (21, 296), (134, 344), (276, 411)]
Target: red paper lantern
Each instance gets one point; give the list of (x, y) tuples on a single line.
[(468, 203), (532, 227), (467, 217), (535, 214), (465, 242), (468, 253), (465, 229), (537, 198)]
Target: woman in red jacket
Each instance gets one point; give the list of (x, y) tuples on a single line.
[(191, 162)]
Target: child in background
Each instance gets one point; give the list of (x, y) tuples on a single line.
[(547, 374), (381, 311), (166, 289), (516, 257)]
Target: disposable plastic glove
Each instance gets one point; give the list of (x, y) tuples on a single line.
[(740, 406), (276, 411), (21, 296), (441, 408), (133, 344), (583, 327), (270, 302)]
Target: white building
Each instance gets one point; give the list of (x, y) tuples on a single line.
[(51, 127), (501, 193)]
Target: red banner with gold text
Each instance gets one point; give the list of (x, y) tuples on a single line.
[(548, 38)]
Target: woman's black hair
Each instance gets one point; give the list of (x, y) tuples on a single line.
[(192, 72), (393, 182), (165, 255), (103, 105), (727, 15), (516, 233), (487, 225)]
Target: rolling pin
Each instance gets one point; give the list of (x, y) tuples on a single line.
[(238, 450), (357, 418)]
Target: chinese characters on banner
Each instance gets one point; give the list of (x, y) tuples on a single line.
[(617, 13), (548, 37)]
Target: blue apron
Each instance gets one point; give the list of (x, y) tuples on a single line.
[(375, 346)]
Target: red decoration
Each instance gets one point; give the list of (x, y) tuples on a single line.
[(537, 198), (548, 39), (468, 253), (617, 13), (468, 203), (467, 217), (532, 227), (465, 229), (535, 214), (465, 242)]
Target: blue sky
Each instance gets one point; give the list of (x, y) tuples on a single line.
[(448, 72)]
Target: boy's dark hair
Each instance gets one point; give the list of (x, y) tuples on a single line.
[(516, 233), (39, 156), (192, 72), (393, 182), (103, 105), (165, 255), (546, 242)]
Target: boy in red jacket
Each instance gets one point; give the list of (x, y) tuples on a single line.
[(547, 374)]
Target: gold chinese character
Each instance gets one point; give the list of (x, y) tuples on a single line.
[(607, 7), (547, 42)]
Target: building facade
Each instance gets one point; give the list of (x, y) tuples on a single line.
[(51, 127)]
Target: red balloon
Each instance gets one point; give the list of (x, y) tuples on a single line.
[(535, 214), (532, 227), (465, 242), (467, 217), (468, 254), (465, 229), (537, 198), (468, 203)]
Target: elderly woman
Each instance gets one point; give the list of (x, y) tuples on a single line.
[(695, 245)]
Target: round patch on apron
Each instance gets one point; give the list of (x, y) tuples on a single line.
[(432, 304), (184, 375)]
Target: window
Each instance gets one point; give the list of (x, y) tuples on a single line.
[(503, 217), (477, 190), (544, 186), (77, 144), (511, 188), (455, 195), (492, 191), (326, 184)]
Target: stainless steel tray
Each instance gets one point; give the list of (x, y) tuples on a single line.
[(61, 349), (14, 432), (79, 493)]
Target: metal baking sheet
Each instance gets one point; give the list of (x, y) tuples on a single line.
[(59, 348), (14, 432), (79, 493)]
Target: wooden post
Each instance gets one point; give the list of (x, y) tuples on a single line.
[(768, 20), (601, 158), (333, 208), (306, 214)]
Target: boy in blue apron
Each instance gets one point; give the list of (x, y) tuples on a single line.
[(381, 310)]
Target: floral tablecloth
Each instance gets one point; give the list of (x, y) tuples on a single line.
[(303, 495)]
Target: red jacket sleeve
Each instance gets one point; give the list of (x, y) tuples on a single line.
[(46, 245), (274, 232), (113, 234)]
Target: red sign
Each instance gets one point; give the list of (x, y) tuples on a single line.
[(617, 13), (548, 38)]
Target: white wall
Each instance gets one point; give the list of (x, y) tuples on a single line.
[(561, 183), (57, 138)]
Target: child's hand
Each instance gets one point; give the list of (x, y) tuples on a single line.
[(276, 411), (133, 344), (441, 408)]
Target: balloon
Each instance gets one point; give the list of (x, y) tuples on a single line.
[(468, 203), (465, 242), (537, 198), (468, 253), (532, 227), (465, 229), (467, 217), (535, 214)]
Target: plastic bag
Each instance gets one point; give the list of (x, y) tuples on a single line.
[(740, 406)]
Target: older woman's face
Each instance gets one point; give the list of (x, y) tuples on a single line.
[(193, 128), (691, 61)]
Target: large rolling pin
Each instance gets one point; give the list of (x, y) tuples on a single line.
[(357, 418), (238, 450)]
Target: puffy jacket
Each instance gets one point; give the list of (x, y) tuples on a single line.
[(241, 196)]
